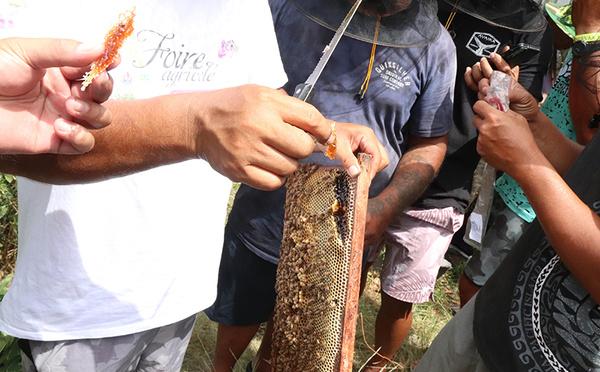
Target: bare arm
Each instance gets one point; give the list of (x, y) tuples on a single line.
[(585, 77), (414, 173), (506, 142), (245, 133), (560, 150), (570, 225)]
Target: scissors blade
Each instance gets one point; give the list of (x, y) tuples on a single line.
[(305, 90)]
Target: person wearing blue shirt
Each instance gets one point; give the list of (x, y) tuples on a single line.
[(406, 97)]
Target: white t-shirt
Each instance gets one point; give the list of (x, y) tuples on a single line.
[(141, 251)]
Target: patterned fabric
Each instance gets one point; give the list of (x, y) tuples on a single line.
[(160, 349), (415, 243), (533, 314)]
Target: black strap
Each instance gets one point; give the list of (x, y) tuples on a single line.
[(26, 349)]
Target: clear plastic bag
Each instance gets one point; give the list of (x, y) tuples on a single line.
[(476, 224)]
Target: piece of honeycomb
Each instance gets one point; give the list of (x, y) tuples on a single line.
[(113, 41)]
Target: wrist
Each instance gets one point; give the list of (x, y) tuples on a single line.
[(193, 118), (539, 124), (587, 36), (583, 48)]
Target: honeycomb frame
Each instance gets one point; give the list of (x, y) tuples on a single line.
[(318, 276)]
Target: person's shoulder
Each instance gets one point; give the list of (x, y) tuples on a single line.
[(444, 41), (442, 48), (277, 5), (542, 37)]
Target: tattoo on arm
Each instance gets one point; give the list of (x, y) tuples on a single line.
[(414, 173)]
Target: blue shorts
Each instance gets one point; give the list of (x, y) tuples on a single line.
[(246, 288)]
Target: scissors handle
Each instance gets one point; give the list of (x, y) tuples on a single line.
[(304, 92)]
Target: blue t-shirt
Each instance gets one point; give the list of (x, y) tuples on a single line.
[(410, 92)]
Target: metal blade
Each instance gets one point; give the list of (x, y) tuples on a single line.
[(305, 90)]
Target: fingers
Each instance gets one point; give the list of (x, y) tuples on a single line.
[(91, 113), (502, 65), (345, 156), (85, 106), (306, 117), (261, 179), (44, 53), (353, 138), (75, 138), (482, 110), (75, 73), (480, 70), (99, 90), (470, 80), (483, 70), (264, 168)]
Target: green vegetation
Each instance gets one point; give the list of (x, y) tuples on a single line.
[(428, 318), (8, 224), (10, 357)]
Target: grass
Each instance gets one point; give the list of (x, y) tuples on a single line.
[(428, 318)]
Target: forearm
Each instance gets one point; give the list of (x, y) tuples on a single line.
[(571, 227), (414, 173), (583, 100), (583, 86), (144, 134), (558, 149)]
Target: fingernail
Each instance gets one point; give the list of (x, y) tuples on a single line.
[(492, 55), (331, 139), (333, 134), (80, 106), (63, 127), (90, 47), (354, 171)]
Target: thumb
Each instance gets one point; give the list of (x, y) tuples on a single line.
[(345, 156), (45, 52)]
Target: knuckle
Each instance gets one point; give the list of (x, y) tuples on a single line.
[(313, 119), (262, 94), (305, 146)]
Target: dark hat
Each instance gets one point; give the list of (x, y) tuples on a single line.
[(518, 15), (404, 23)]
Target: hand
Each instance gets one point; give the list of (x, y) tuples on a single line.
[(521, 101), (505, 140), (377, 221), (256, 135), (483, 70), (353, 138), (42, 109)]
